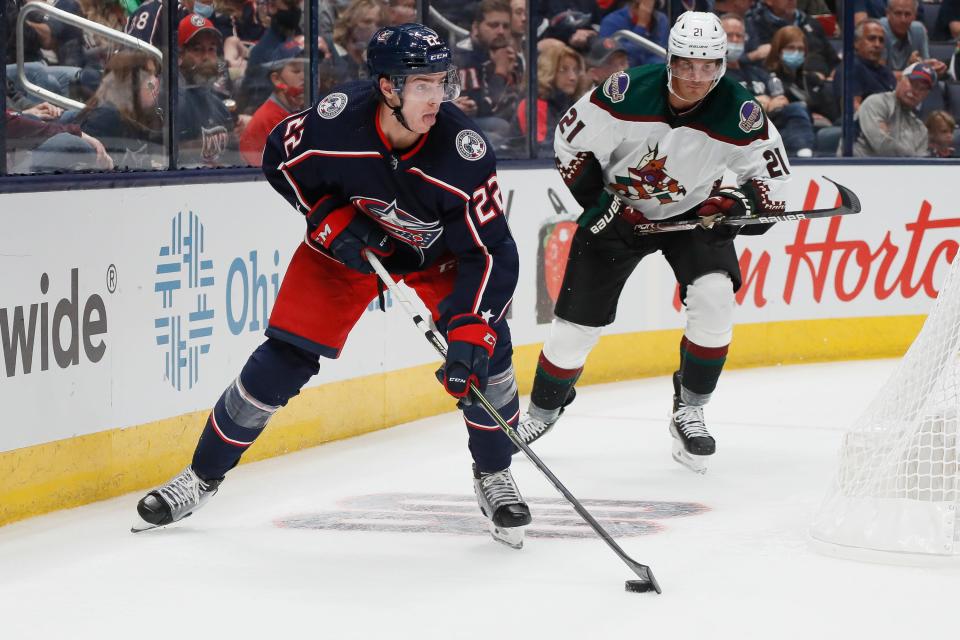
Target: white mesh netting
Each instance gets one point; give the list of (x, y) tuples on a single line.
[(898, 484)]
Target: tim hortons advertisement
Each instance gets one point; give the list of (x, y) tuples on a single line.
[(886, 260)]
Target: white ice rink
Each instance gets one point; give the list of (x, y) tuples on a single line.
[(379, 537)]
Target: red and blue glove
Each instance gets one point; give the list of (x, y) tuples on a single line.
[(723, 203), (346, 232), (470, 343)]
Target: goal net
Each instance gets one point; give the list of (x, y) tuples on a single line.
[(898, 484)]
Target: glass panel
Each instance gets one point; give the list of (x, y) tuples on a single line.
[(105, 109), (489, 50)]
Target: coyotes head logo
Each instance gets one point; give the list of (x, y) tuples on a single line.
[(649, 180)]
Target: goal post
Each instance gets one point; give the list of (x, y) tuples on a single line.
[(897, 487)]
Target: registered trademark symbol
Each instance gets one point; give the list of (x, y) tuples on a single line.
[(112, 278)]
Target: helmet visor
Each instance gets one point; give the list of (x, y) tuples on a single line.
[(429, 87), (693, 70)]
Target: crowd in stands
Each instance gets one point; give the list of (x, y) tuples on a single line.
[(243, 68)]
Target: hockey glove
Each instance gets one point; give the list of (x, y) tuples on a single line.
[(470, 343), (345, 232), (724, 203)]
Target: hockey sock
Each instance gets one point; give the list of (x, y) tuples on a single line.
[(700, 368), (273, 374), (490, 446), (551, 387)]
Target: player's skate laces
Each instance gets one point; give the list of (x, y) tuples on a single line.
[(501, 502), (688, 419), (531, 428), (692, 443), (176, 500)]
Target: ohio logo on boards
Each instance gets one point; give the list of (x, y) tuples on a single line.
[(184, 281), (71, 328), (193, 309)]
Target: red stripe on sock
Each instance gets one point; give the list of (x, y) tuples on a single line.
[(704, 353), (556, 372)]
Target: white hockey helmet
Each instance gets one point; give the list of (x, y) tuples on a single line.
[(699, 36)]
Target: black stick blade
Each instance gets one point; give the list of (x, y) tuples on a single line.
[(848, 198), (640, 586)]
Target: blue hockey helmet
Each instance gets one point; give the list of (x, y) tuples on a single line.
[(408, 49)]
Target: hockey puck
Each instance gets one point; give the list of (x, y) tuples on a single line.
[(638, 586)]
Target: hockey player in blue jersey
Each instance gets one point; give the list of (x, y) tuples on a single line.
[(416, 183)]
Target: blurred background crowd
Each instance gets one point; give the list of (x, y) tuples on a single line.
[(81, 99)]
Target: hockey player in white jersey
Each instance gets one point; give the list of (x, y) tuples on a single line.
[(653, 143)]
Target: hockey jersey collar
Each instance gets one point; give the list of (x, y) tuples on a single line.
[(386, 143)]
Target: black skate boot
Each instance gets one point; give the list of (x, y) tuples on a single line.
[(501, 502), (176, 500), (692, 443), (530, 428)]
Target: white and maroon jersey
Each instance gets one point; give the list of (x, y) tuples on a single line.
[(623, 139)]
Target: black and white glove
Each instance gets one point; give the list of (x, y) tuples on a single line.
[(470, 343), (723, 203), (346, 232)]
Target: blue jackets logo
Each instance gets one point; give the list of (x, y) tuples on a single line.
[(403, 226)]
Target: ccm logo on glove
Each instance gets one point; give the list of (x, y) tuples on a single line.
[(471, 342)]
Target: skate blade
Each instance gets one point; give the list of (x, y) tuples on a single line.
[(139, 527), (697, 464), (509, 536)]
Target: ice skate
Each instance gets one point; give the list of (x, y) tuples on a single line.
[(530, 429), (174, 501), (692, 443), (500, 501)]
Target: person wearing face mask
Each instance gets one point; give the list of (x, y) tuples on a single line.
[(287, 76), (788, 58), (769, 16), (888, 122), (285, 19)]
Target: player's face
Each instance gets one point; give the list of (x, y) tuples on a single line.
[(692, 79), (422, 96)]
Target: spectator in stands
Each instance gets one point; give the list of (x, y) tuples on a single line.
[(123, 112), (787, 60), (737, 7), (947, 26), (792, 119), (870, 74), (401, 11), (205, 126), (572, 22), (888, 122), (642, 18), (31, 129), (37, 35), (941, 128), (753, 77), (558, 74), (285, 17), (863, 9), (351, 35), (604, 58), (518, 24), (238, 24), (491, 71), (906, 37), (287, 73), (767, 18), (558, 78)]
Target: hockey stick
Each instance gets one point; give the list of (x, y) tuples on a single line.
[(646, 582), (849, 204)]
